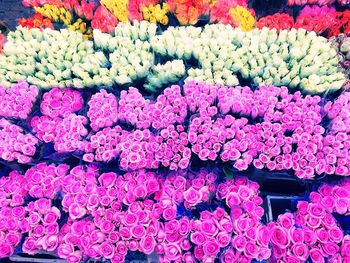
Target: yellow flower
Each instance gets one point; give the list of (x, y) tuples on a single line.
[(119, 8), (156, 14), (242, 17)]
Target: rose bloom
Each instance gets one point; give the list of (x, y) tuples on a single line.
[(192, 196), (172, 251), (251, 250), (211, 248), (300, 251), (147, 244), (316, 255), (209, 228), (279, 237)]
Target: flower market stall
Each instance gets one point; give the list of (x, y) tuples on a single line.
[(176, 131)]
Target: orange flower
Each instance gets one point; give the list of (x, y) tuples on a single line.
[(193, 15)]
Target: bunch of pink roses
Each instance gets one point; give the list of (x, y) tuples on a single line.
[(12, 189), (18, 100), (103, 110), (15, 143)]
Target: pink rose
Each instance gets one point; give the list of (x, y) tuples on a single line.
[(233, 200), (130, 219), (133, 245), (303, 207), (50, 218), (64, 250), (251, 250), (236, 212), (43, 205), (188, 258), (13, 238), (179, 182), (244, 192), (219, 213), (313, 222), (226, 225), (341, 205), (286, 220), (211, 248), (209, 228), (140, 191), (239, 242), (147, 244), (169, 213), (330, 248), (263, 235), (241, 224), (251, 233), (107, 179), (152, 186), (138, 231), (34, 218), (198, 238), (279, 237), (185, 244), (329, 221), (29, 246), (18, 212), (300, 251), (107, 250), (316, 255), (345, 248), (228, 256), (172, 251), (249, 206), (5, 250), (121, 248), (205, 215), (198, 183), (184, 226), (38, 230), (315, 197), (341, 192), (198, 252), (153, 228), (297, 235), (316, 210), (310, 237), (328, 203), (76, 211), (322, 235), (223, 239), (51, 242), (192, 196)]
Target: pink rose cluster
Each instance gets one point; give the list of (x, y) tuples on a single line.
[(268, 128), (61, 102), (17, 101), (16, 145), (313, 231), (251, 238), (103, 110), (12, 190)]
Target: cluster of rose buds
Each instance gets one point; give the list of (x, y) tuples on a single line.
[(15, 144), (18, 100), (103, 110)]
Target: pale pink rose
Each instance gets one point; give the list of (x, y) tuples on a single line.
[(209, 228), (140, 191), (251, 250), (328, 203), (223, 239), (169, 213), (51, 242), (64, 250), (76, 211), (241, 224), (121, 248), (198, 252), (316, 255), (147, 244), (316, 210), (107, 179), (198, 238), (239, 242), (192, 196), (228, 256), (303, 207), (211, 248), (297, 235), (107, 250), (315, 197), (50, 218), (184, 226), (13, 238), (330, 248), (279, 237), (226, 225), (30, 248), (233, 200), (185, 244), (263, 235), (300, 251), (286, 220), (172, 251), (138, 231)]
